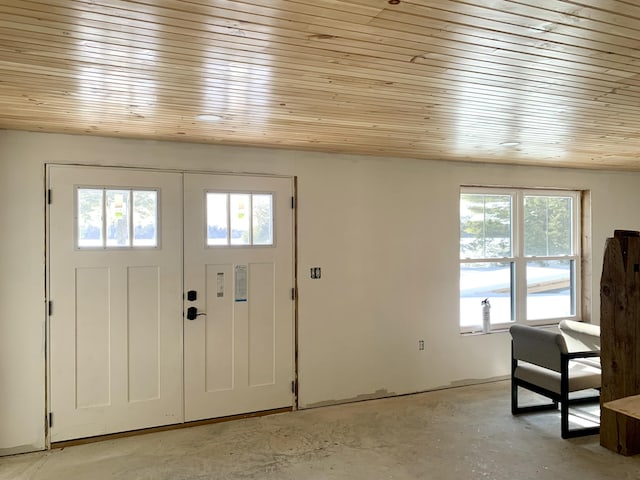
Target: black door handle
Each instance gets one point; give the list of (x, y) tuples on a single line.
[(192, 313)]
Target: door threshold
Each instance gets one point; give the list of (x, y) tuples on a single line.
[(164, 428)]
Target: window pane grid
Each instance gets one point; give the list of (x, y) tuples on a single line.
[(550, 288), (544, 267), (486, 280), (262, 219), (90, 230), (144, 223), (547, 225), (118, 215), (239, 219), (240, 205), (485, 226), (116, 218)]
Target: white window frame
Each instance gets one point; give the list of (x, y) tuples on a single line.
[(228, 244), (104, 246), (519, 260)]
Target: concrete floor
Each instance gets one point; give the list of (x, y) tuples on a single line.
[(462, 433)]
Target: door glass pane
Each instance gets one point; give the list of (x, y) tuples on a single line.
[(217, 219), (547, 226), (485, 280), (89, 225), (485, 226), (145, 218), (240, 204), (262, 219), (117, 221), (550, 289)]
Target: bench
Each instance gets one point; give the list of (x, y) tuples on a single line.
[(555, 363)]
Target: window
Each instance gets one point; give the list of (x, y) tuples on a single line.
[(520, 250), (239, 219), (112, 219)]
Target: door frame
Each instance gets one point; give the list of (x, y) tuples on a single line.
[(47, 198)]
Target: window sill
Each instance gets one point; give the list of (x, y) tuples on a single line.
[(504, 330)]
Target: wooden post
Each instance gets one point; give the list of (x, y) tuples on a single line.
[(620, 339)]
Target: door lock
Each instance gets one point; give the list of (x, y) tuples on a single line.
[(192, 313), (192, 295)]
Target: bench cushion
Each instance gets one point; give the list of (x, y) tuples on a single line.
[(581, 376)]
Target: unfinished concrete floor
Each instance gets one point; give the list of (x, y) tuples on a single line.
[(462, 433)]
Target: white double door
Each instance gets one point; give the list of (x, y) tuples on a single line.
[(132, 252)]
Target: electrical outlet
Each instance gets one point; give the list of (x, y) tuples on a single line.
[(420, 344), (316, 273)]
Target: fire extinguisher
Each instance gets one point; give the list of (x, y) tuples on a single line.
[(486, 315)]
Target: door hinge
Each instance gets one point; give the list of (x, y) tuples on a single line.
[(293, 386), (50, 308), (50, 419), (293, 202), (293, 293), (49, 197)]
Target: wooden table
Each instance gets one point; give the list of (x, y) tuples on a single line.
[(623, 435)]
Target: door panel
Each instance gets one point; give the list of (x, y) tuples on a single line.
[(239, 353), (220, 334), (92, 327), (116, 323), (143, 334), (262, 325)]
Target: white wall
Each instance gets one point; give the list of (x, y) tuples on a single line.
[(383, 230)]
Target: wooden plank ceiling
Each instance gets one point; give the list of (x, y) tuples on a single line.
[(547, 82)]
